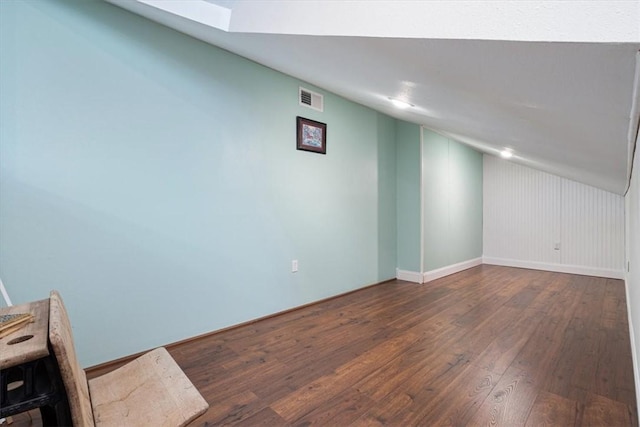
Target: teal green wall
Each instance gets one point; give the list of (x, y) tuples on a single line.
[(452, 201), (446, 177), (153, 180), (435, 187), (408, 195), (387, 214)]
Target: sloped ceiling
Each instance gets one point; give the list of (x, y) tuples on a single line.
[(555, 82)]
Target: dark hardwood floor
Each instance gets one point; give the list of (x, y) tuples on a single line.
[(487, 346)]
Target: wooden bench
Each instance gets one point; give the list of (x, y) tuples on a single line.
[(151, 390)]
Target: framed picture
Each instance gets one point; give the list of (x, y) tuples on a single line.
[(312, 135)]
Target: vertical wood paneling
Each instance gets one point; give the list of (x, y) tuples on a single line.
[(521, 212), (632, 207), (592, 227), (527, 212)]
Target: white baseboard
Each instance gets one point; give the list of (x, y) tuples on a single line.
[(450, 269), (417, 277), (409, 276), (560, 268)]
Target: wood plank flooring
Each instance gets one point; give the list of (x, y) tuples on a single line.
[(488, 346)]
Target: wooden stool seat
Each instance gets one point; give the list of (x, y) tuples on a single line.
[(151, 390), (153, 381)]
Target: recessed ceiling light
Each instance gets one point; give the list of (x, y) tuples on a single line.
[(400, 104), (506, 154)]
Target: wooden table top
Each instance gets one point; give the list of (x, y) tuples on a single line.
[(30, 341)]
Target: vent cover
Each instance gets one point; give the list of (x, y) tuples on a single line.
[(311, 99)]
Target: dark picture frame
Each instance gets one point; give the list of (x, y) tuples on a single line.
[(312, 135)]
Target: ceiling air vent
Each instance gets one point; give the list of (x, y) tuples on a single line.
[(311, 99)]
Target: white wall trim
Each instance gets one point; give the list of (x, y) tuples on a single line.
[(421, 199), (409, 276), (450, 269), (5, 295), (560, 268), (632, 338), (416, 277)]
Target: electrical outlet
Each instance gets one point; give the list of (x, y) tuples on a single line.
[(294, 265)]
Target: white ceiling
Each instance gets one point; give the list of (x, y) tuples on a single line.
[(556, 82)]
